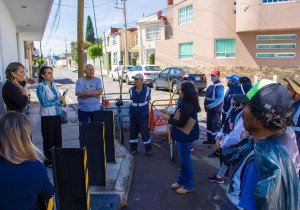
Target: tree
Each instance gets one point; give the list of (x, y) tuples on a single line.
[(89, 33), (40, 61), (133, 61), (74, 52), (152, 59), (95, 51)]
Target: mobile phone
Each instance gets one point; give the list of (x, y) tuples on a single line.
[(65, 92)]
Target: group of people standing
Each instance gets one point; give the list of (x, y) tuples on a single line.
[(255, 130)]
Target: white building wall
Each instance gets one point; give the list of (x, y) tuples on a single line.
[(145, 44), (8, 40), (115, 48)]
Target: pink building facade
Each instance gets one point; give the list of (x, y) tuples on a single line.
[(231, 33)]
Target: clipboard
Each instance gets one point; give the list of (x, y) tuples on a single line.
[(188, 126)]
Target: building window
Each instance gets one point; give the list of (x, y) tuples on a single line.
[(185, 14), (277, 37), (107, 41), (276, 1), (276, 55), (153, 32), (186, 50), (276, 46), (225, 48), (114, 40), (115, 57), (136, 39)]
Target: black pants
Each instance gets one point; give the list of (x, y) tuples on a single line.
[(51, 132), (213, 124)]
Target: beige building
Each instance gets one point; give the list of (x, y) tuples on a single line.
[(231, 33), (114, 46), (150, 31)]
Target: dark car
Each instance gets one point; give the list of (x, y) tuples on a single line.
[(177, 76)]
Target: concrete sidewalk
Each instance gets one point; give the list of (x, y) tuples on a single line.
[(119, 174)]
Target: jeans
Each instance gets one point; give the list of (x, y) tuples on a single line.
[(186, 176), (222, 170), (84, 117)]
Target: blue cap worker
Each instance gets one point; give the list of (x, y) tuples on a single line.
[(213, 104), (233, 85), (140, 95)]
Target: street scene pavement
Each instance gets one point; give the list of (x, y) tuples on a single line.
[(152, 176)]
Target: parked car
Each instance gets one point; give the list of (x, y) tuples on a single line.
[(117, 73), (149, 72), (176, 77)]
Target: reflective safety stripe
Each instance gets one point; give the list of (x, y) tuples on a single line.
[(147, 142), (140, 104), (133, 141), (147, 93), (297, 129), (130, 93), (296, 116), (212, 133)]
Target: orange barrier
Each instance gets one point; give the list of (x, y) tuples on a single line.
[(157, 124)]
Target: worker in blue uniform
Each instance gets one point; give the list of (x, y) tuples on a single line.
[(140, 95), (233, 86), (213, 104), (293, 86)]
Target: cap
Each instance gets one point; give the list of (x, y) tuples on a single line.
[(240, 92), (191, 78), (235, 78), (294, 82), (138, 76), (215, 72), (270, 96)]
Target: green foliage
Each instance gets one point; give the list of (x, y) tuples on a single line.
[(89, 33), (152, 59), (40, 61), (95, 51), (133, 61), (74, 51)]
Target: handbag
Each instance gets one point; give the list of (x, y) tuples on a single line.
[(188, 126)]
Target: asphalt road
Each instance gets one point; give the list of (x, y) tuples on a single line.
[(152, 177)]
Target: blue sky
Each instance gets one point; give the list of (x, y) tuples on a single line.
[(106, 15)]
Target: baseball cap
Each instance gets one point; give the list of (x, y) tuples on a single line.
[(270, 96), (138, 76), (215, 72), (294, 82), (235, 78), (240, 91), (191, 78)]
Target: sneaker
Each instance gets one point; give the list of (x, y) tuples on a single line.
[(148, 153), (176, 186), (183, 191), (215, 178), (133, 151)]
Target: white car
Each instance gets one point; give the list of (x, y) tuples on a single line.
[(149, 72), (117, 73)]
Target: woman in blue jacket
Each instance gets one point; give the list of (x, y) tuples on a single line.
[(188, 109)]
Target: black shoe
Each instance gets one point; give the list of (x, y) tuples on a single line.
[(47, 163), (148, 153), (213, 155), (133, 151), (206, 142)]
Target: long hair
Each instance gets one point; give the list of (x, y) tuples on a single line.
[(15, 140), (190, 95), (12, 67), (42, 72)]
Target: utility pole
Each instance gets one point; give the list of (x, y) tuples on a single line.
[(105, 54), (66, 53), (80, 48), (125, 26)]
